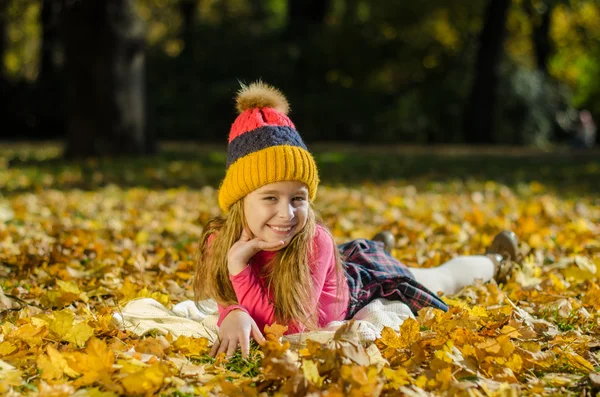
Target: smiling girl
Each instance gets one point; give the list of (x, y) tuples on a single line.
[(269, 259)]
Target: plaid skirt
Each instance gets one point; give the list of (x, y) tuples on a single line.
[(373, 273)]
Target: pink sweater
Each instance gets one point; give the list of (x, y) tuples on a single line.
[(253, 297)]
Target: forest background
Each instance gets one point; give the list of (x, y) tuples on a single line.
[(452, 72)]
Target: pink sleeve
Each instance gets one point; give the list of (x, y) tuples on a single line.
[(251, 294)]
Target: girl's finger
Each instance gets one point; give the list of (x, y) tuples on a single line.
[(232, 347), (256, 334), (215, 347), (223, 347), (245, 344)]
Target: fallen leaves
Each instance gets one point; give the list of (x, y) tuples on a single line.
[(69, 258)]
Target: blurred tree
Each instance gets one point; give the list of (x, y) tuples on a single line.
[(540, 13), (50, 40), (188, 10), (48, 104), (303, 13), (350, 15), (258, 10), (479, 114), (3, 7), (104, 65)]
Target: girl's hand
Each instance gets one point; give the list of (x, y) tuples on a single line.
[(240, 253), (236, 328)]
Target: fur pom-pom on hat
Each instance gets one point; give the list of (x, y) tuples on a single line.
[(261, 95)]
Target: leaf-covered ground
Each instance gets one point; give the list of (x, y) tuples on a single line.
[(79, 240)]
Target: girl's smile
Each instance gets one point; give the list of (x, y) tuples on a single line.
[(281, 230)]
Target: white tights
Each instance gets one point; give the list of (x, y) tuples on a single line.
[(455, 274)]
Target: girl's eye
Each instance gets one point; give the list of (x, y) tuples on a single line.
[(271, 198), (299, 198)]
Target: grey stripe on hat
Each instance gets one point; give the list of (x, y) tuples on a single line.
[(262, 138)]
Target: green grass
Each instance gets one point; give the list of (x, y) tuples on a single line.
[(29, 167)]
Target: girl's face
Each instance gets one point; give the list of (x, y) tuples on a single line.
[(277, 211)]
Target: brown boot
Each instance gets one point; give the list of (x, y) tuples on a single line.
[(503, 251), (387, 238)]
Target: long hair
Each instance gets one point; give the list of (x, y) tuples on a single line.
[(289, 278)]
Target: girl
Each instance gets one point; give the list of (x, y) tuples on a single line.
[(269, 259)]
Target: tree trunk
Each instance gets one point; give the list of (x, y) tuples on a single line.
[(307, 12), (187, 9), (479, 114), (350, 15), (540, 35), (258, 10), (49, 21), (49, 101), (3, 20), (104, 65)]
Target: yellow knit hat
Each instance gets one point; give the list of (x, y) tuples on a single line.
[(264, 147)]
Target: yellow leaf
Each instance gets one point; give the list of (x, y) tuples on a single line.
[(31, 334), (444, 377), (410, 331), (275, 331), (559, 286), (147, 381), (468, 350), (443, 353), (7, 348), (95, 365), (62, 325), (54, 365), (142, 237), (79, 334), (579, 362), (9, 376), (311, 372), (62, 322), (510, 331), (478, 311), (421, 381), (490, 346), (68, 286), (191, 346), (515, 363), (391, 339), (397, 377)]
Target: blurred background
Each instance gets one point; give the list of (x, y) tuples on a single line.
[(117, 76)]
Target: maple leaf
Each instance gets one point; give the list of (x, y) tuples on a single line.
[(275, 331), (31, 334), (64, 328), (192, 346), (311, 372), (95, 365), (54, 365), (146, 381), (65, 293)]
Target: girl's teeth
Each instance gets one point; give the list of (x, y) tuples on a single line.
[(281, 229)]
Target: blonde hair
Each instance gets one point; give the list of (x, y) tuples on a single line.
[(289, 279)]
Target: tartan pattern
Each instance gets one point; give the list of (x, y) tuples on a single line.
[(372, 273)]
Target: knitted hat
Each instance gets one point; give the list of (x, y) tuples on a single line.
[(264, 146)]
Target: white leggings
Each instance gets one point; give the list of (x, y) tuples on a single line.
[(455, 274)]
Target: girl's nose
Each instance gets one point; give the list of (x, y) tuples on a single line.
[(286, 210)]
